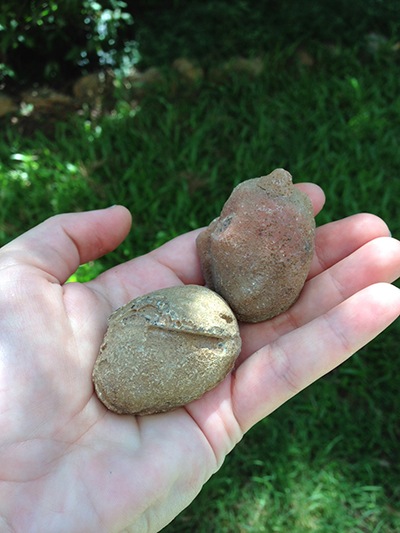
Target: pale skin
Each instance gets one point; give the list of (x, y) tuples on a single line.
[(69, 465)]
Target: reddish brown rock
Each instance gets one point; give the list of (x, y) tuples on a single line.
[(257, 253)]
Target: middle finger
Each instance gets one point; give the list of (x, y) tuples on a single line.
[(376, 261)]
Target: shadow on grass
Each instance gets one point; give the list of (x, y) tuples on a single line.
[(326, 461)]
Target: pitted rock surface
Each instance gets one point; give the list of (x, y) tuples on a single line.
[(257, 253), (165, 349)]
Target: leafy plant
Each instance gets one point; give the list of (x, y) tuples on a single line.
[(53, 40)]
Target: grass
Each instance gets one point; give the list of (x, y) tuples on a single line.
[(213, 31), (325, 462), (328, 460)]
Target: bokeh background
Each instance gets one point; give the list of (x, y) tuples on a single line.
[(164, 106)]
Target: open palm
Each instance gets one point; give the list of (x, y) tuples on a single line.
[(67, 464)]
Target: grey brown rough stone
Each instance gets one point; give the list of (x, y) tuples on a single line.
[(257, 253), (165, 349)]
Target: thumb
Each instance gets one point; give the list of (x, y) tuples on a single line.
[(61, 243)]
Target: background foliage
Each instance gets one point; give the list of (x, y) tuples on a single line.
[(53, 41)]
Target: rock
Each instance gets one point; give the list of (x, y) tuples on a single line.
[(253, 67), (165, 349), (188, 70), (248, 67), (376, 42), (150, 77), (92, 88), (7, 105), (257, 253), (305, 58), (139, 83), (44, 99)]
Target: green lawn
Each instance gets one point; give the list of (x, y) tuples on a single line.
[(328, 460)]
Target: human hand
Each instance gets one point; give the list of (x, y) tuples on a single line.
[(67, 464)]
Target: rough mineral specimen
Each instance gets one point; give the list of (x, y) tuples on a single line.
[(165, 349), (257, 253)]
